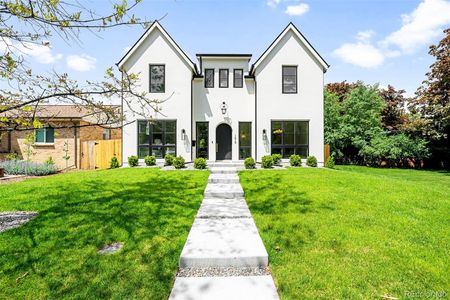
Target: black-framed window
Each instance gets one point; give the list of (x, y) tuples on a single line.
[(289, 79), (157, 78), (245, 140), (202, 130), (290, 137), (45, 135), (223, 78), (238, 78), (157, 138), (209, 78)]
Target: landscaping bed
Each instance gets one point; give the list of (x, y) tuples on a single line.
[(354, 232), (55, 255)]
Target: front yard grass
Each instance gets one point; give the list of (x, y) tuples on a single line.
[(355, 232), (55, 255)]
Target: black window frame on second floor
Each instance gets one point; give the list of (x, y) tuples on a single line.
[(163, 89), (212, 81), (220, 78), (286, 76), (241, 78)]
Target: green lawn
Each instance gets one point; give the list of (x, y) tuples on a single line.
[(54, 255), (355, 232)]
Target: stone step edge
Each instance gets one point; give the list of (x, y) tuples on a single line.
[(223, 271)]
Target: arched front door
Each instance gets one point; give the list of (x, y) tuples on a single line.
[(223, 142)]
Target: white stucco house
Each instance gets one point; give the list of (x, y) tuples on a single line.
[(224, 107)]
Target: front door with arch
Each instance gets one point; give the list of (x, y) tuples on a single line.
[(223, 142)]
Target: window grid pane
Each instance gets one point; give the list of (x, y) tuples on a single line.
[(209, 78), (289, 80), (156, 138), (223, 78), (290, 137), (238, 78), (157, 78)]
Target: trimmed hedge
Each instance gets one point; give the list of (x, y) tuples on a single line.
[(249, 163), (311, 161), (133, 161), (178, 162), (330, 162), (150, 160), (276, 157), (114, 163), (295, 160), (169, 159), (267, 161), (200, 163)]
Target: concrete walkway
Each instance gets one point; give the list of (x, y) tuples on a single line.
[(224, 256)]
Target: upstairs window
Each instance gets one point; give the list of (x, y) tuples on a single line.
[(289, 75), (223, 78), (238, 78), (44, 135), (209, 78), (157, 78)]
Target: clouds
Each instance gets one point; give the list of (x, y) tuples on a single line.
[(419, 29), (273, 3), (81, 63), (41, 54), (297, 10)]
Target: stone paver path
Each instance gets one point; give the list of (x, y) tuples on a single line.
[(223, 242)]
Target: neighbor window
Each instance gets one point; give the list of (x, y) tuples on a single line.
[(223, 78), (245, 140), (290, 137), (209, 78), (289, 75), (157, 138), (44, 135), (157, 79), (106, 133), (238, 78)]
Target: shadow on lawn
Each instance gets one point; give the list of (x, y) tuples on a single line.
[(58, 248)]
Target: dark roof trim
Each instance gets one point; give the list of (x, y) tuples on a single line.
[(223, 55)]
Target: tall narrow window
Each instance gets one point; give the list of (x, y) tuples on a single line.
[(157, 138), (202, 139), (223, 78), (290, 137), (157, 79), (209, 78), (289, 81), (245, 140), (238, 78), (44, 135)]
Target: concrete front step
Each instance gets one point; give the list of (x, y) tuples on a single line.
[(223, 170), (223, 178), (223, 208), (226, 164), (227, 191), (234, 287), (224, 242)]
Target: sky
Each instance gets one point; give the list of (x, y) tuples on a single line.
[(383, 42)]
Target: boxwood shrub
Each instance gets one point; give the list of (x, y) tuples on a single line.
[(169, 159), (295, 160), (330, 162), (178, 162), (200, 163), (21, 167), (267, 161), (150, 160), (311, 161), (276, 157), (114, 163), (133, 161), (249, 163)]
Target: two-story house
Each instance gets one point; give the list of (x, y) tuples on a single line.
[(225, 108)]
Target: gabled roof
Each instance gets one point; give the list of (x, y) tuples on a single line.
[(301, 37), (156, 25)]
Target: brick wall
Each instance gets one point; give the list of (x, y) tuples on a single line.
[(92, 133)]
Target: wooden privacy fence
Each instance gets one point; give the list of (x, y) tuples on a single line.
[(326, 152), (98, 154)]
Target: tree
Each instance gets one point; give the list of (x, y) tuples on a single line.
[(25, 24), (333, 123), (393, 114), (341, 89)]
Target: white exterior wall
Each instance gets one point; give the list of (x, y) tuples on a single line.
[(178, 77), (240, 102), (306, 105)]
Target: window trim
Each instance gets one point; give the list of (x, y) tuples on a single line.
[(283, 145), (296, 79), (45, 136), (150, 78), (228, 78), (213, 75), (234, 78), (251, 144), (150, 139)]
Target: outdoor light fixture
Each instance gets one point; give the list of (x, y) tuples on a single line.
[(183, 134), (264, 135), (223, 108)]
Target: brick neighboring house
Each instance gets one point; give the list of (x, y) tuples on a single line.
[(49, 140)]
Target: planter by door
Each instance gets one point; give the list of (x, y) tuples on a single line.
[(223, 142)]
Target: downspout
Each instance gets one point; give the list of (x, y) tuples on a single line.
[(256, 119), (121, 127), (75, 144), (192, 117), (9, 141)]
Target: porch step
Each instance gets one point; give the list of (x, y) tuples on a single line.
[(224, 208), (233, 287), (223, 170), (223, 178), (223, 242), (227, 191), (226, 164)]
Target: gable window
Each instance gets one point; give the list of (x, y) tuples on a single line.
[(44, 135), (289, 75), (157, 78), (238, 78), (209, 78), (290, 137), (223, 78), (157, 138)]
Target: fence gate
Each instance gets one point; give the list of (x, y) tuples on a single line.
[(98, 154)]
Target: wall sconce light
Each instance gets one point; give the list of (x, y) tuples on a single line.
[(223, 108), (183, 134), (264, 135)]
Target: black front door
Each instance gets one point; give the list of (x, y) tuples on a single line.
[(223, 140)]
